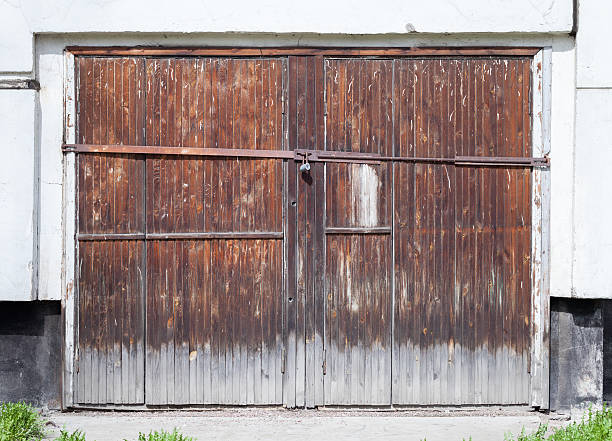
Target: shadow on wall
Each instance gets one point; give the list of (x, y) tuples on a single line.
[(607, 351), (30, 353), (581, 353)]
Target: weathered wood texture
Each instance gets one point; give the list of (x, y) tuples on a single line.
[(110, 359), (358, 102), (305, 331), (462, 234), (214, 306), (213, 322), (367, 284)]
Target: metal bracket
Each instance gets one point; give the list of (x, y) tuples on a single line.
[(324, 362)]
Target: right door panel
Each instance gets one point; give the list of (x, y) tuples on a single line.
[(462, 233)]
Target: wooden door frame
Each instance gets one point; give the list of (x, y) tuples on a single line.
[(541, 82)]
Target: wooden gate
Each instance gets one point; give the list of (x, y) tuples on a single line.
[(320, 228)]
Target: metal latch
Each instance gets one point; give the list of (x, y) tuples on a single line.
[(324, 362)]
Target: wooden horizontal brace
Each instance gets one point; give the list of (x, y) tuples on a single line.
[(358, 230), (305, 154), (303, 51), (183, 236)]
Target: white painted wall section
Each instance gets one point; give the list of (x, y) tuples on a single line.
[(16, 39), (593, 204), (25, 18), (319, 16), (562, 114), (17, 186), (592, 254), (50, 71), (593, 41)]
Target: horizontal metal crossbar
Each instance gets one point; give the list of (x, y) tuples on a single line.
[(179, 151), (307, 155), (182, 236), (358, 230)]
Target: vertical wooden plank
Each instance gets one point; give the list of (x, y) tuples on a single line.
[(76, 73), (125, 211), (501, 209), (303, 212), (218, 282), (289, 379), (455, 103)]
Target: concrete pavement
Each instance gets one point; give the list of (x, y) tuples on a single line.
[(274, 424)]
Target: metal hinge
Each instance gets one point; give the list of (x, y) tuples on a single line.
[(283, 361), (324, 361)]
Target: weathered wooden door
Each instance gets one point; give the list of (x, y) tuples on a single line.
[(216, 264)]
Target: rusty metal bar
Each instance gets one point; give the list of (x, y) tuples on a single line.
[(180, 151), (501, 160), (358, 230), (217, 235), (308, 155), (182, 236), (112, 236)]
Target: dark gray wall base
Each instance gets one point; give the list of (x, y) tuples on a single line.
[(30, 353), (607, 351), (577, 353), (580, 365)]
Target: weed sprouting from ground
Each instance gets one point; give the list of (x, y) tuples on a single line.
[(77, 435), (536, 436), (175, 435), (20, 422)]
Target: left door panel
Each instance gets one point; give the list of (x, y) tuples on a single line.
[(180, 258)]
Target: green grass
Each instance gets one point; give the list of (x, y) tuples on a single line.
[(175, 435), (597, 426), (77, 435), (20, 422)]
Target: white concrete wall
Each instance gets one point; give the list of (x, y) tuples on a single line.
[(23, 18), (592, 258), (562, 169), (34, 33), (17, 184)]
